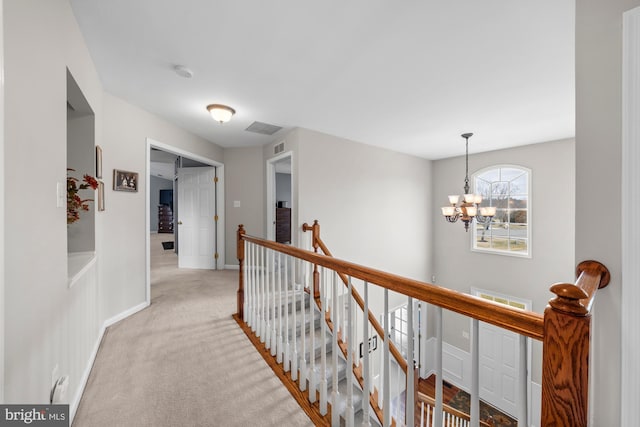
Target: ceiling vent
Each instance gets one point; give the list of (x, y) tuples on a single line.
[(263, 128), (279, 148)]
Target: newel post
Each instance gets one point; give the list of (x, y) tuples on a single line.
[(315, 239), (565, 357), (240, 250)]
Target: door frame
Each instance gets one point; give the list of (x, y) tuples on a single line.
[(220, 234), (630, 293), (271, 197)]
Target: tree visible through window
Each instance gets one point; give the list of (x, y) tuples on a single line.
[(506, 188)]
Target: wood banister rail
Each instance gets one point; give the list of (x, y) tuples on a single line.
[(519, 321), (317, 242), (421, 397), (565, 354)]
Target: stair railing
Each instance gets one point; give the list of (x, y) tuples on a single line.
[(564, 329)]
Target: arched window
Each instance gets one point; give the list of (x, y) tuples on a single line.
[(508, 188)]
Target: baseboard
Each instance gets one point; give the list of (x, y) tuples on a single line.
[(231, 267), (125, 314), (73, 407)]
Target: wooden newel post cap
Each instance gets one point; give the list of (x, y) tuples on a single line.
[(568, 298), (241, 229)]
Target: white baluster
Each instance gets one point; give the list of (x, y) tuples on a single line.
[(475, 373), (302, 383), (335, 314), (348, 339), (385, 368), (409, 404), (302, 367), (267, 301), (323, 342), (438, 409), (294, 334), (287, 349), (247, 273), (272, 303), (254, 305), (366, 389), (279, 343), (522, 383), (260, 295), (421, 414), (312, 343)]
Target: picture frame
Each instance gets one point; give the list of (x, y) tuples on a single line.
[(98, 162), (125, 181), (100, 196)]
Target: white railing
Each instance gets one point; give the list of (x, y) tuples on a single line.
[(330, 338), (318, 338)]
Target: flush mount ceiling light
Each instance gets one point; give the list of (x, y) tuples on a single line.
[(470, 207), (221, 113)]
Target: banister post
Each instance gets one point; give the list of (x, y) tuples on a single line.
[(315, 239), (565, 357), (240, 254)]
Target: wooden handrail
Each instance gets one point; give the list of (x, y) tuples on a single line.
[(317, 241), (421, 397), (522, 322)]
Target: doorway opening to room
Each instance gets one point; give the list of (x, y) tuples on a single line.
[(280, 200), (185, 206)]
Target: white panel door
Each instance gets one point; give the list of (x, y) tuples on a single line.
[(196, 222), (499, 357), (499, 367)]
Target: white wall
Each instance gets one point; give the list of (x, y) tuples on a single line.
[(244, 183), (46, 322), (38, 333), (373, 205), (598, 183), (552, 202), (2, 193)]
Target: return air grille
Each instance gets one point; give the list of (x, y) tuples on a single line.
[(263, 128)]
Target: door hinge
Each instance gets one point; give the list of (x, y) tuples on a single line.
[(215, 179), (216, 255), (215, 218)]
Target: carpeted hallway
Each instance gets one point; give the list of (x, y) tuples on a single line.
[(183, 361)]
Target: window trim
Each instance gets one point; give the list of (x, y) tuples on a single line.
[(529, 252)]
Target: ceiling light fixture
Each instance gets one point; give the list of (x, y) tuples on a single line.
[(221, 113), (469, 208)]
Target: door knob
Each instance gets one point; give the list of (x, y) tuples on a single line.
[(179, 222)]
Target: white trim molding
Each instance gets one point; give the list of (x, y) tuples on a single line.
[(630, 346)]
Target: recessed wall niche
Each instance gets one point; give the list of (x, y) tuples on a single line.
[(81, 157)]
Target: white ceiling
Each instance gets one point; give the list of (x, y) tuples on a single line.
[(407, 75)]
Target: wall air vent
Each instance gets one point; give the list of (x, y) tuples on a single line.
[(279, 148), (263, 128)]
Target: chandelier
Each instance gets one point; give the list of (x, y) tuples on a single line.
[(469, 208)]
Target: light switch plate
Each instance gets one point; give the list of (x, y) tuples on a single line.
[(236, 203)]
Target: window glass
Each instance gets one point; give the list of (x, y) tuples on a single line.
[(509, 231)]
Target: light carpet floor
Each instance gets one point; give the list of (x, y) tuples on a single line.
[(183, 361)]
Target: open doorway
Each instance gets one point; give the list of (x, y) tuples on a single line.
[(280, 199), (183, 196)]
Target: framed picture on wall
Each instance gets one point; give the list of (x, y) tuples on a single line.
[(98, 162), (100, 196), (125, 181)]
